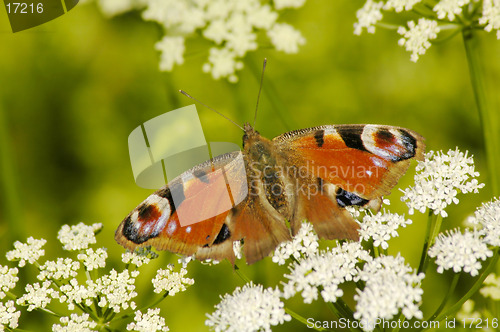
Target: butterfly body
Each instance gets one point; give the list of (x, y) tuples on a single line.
[(261, 195)]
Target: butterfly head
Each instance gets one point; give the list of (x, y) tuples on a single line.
[(250, 134)]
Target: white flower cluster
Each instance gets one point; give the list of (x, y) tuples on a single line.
[(439, 179), (148, 322), (326, 270), (460, 251), (135, 259), (9, 316), (488, 217), (78, 237), (304, 243), (491, 16), (231, 25), (93, 259), (491, 287), (381, 227), (248, 309), (63, 268), (27, 252), (172, 282), (8, 279), (416, 38), (38, 296), (116, 290), (75, 322), (390, 286)]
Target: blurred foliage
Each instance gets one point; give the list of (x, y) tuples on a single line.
[(74, 88)]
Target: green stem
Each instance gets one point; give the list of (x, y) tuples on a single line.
[(451, 289), (490, 121), (430, 234), (474, 288), (303, 320)]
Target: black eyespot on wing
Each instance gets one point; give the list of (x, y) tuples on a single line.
[(385, 135), (223, 235), (410, 144), (346, 198), (132, 233), (352, 137), (319, 136)]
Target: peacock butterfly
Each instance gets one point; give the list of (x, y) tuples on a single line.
[(273, 185)]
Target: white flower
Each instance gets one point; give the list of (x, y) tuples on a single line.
[(8, 279), (8, 315), (488, 217), (135, 258), (172, 52), (184, 260), (250, 308), (400, 5), (75, 323), (232, 25), (491, 287), (150, 321), (381, 227), (449, 8), (491, 16), (325, 269), (390, 286), (27, 252), (416, 38), (37, 296), (93, 259), (281, 4), (63, 268), (285, 38), (222, 63), (304, 243), (78, 237), (171, 282), (460, 252), (73, 292), (368, 16), (116, 290), (438, 180)]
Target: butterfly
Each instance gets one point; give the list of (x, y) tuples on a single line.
[(310, 174)]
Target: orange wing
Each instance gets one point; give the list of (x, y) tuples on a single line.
[(190, 213), (367, 160)]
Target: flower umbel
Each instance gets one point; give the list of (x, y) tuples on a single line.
[(381, 227), (150, 321), (390, 286), (439, 179), (232, 27), (460, 251), (27, 252), (250, 308), (172, 282), (79, 236)]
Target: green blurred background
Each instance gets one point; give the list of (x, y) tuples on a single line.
[(73, 89)]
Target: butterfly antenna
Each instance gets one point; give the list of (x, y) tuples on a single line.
[(210, 108), (260, 89)]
